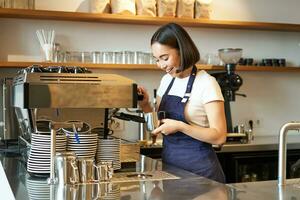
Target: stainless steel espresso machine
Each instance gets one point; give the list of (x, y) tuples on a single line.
[(68, 93)]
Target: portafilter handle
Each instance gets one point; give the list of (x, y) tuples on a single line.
[(129, 117), (140, 97)]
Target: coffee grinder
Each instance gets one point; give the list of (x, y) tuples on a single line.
[(229, 81)]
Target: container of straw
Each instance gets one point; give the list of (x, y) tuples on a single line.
[(46, 40)]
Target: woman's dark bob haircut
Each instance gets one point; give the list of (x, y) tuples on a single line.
[(174, 36)]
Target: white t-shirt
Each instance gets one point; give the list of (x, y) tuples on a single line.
[(205, 89)]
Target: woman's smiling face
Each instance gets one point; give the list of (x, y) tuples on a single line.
[(167, 58)]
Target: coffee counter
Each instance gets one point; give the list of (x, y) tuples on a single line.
[(187, 186)]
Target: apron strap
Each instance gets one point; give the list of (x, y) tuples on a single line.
[(189, 85), (170, 86)]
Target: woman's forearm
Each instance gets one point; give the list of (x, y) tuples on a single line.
[(209, 135)]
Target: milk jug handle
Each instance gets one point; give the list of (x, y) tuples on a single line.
[(75, 178)]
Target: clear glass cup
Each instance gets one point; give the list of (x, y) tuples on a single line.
[(56, 56), (73, 56), (118, 57), (149, 58), (139, 57), (152, 60), (128, 57), (108, 57), (56, 52), (97, 57), (66, 56), (86, 57), (212, 59), (48, 52), (60, 56)]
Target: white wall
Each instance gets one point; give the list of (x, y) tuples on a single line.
[(272, 98)]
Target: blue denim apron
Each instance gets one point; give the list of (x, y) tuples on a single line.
[(181, 150)]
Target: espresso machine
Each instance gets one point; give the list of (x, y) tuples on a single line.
[(230, 82), (60, 93)]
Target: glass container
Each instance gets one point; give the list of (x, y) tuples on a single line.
[(230, 55)]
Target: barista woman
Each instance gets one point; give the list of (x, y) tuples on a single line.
[(193, 102)]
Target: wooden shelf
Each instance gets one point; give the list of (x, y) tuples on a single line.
[(87, 65), (146, 66), (143, 20)]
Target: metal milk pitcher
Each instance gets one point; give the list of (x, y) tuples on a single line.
[(66, 168), (86, 170), (153, 119), (104, 170)]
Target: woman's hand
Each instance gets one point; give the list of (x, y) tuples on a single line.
[(144, 104), (169, 126)]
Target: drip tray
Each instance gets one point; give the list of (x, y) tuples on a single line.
[(142, 176)]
